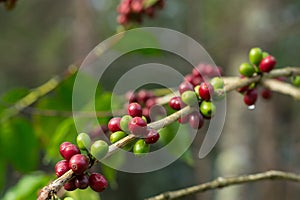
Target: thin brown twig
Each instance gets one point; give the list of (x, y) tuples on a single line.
[(281, 87), (225, 182)]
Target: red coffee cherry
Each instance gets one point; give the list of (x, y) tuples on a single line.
[(98, 182), (135, 110), (67, 151), (267, 64), (176, 103), (137, 126), (185, 86), (70, 185), (250, 97), (114, 124), (196, 120), (206, 91), (266, 93), (82, 181), (61, 167), (79, 163), (152, 137)]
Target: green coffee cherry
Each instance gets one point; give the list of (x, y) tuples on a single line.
[(207, 109), (247, 69), (141, 147), (99, 149), (68, 198), (196, 89), (265, 54), (145, 119), (296, 81), (255, 55), (116, 136), (189, 98), (83, 141), (124, 122), (217, 83)]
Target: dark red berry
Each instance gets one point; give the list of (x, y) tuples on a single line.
[(189, 78), (152, 137), (135, 110), (150, 102), (114, 124), (243, 89), (250, 97), (143, 96), (146, 113), (137, 126), (63, 146), (176, 103), (70, 185), (206, 91), (196, 120), (196, 72), (79, 163), (197, 81), (184, 119), (266, 93), (68, 151), (185, 86), (267, 64), (82, 181), (131, 97), (157, 112), (61, 167), (98, 182)]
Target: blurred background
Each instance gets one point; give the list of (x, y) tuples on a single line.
[(39, 39)]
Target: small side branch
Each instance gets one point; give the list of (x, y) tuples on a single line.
[(225, 182), (281, 87)]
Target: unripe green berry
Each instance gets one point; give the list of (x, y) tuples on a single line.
[(217, 83), (255, 56), (246, 69), (189, 98), (68, 198), (99, 149), (145, 119), (116, 136), (124, 122), (296, 81), (83, 141), (141, 147), (207, 109), (265, 54), (196, 89)]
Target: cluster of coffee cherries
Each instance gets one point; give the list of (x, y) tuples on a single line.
[(9, 4), (80, 162), (132, 11), (260, 62), (199, 88), (134, 122)]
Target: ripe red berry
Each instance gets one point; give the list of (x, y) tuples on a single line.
[(267, 64), (98, 182), (131, 96), (189, 78), (137, 126), (114, 124), (184, 119), (135, 110), (185, 86), (250, 97), (206, 91), (79, 163), (196, 120), (150, 102), (61, 167), (176, 103), (266, 93), (63, 146), (143, 96), (67, 151), (82, 181), (70, 185), (152, 137)]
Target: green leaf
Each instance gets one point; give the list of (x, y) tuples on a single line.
[(84, 194), (27, 187)]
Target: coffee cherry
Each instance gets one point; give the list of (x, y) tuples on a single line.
[(131, 97), (265, 54), (196, 120), (189, 78), (99, 149), (196, 90), (266, 93), (267, 64), (82, 181), (207, 109), (189, 98), (61, 167), (114, 124), (255, 55), (68, 198), (116, 136), (150, 102), (250, 97), (141, 147), (135, 110), (296, 81), (185, 86), (217, 83), (176, 103), (70, 185), (247, 69), (152, 137), (184, 119), (124, 122), (98, 182), (206, 91), (137, 126), (79, 163), (63, 146), (68, 151), (83, 141)]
